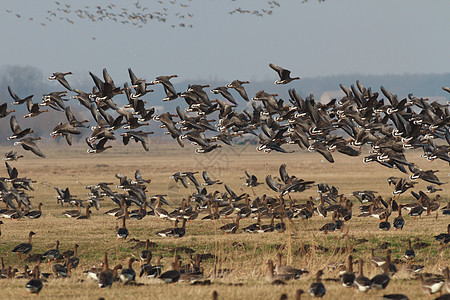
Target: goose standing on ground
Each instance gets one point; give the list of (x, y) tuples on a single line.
[(122, 233), (288, 271), (317, 289), (376, 260), (74, 213), (74, 260), (34, 214), (144, 254), (385, 225), (399, 222), (362, 283), (278, 278), (173, 275), (87, 216), (447, 279), (348, 278), (431, 285), (285, 75), (231, 227), (128, 275), (105, 277), (53, 253), (381, 281), (24, 248), (34, 285), (409, 253)]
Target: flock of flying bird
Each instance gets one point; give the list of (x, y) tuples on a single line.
[(174, 12), (390, 126)]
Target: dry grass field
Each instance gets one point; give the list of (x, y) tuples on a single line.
[(244, 254)]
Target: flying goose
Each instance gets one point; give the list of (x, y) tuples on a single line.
[(12, 156), (33, 109), (3, 110), (29, 144), (98, 147), (285, 75), (17, 99), (60, 77), (237, 85), (173, 275), (17, 131)]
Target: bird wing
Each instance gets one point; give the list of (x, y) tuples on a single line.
[(273, 184), (14, 125)]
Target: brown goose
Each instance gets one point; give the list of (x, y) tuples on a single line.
[(34, 285), (285, 75), (231, 227), (348, 278), (447, 279), (3, 110), (17, 131), (87, 216), (362, 283), (172, 275), (431, 285), (281, 269), (122, 233), (399, 222), (317, 289), (33, 109), (60, 77), (24, 248), (376, 260), (275, 278), (53, 253), (34, 214), (17, 99), (145, 254), (237, 85), (29, 144), (128, 275), (106, 277), (98, 147), (381, 281), (409, 253), (73, 213)]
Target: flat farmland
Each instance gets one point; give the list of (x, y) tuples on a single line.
[(244, 255)]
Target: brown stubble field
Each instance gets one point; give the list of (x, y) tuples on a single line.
[(245, 254)]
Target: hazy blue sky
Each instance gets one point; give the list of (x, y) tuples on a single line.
[(311, 39)]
